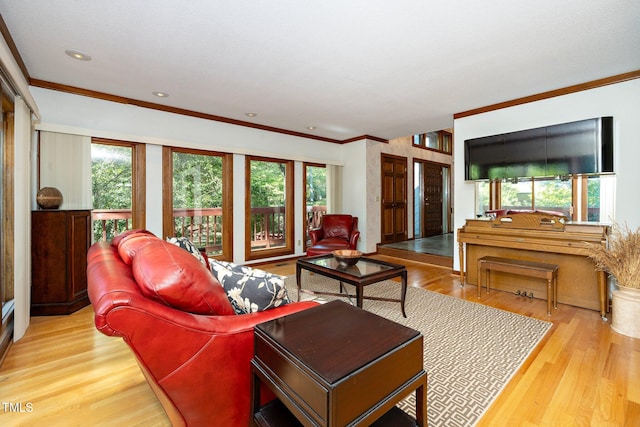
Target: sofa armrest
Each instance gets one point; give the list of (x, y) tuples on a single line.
[(202, 364)]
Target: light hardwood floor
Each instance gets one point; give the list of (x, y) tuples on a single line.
[(65, 373)]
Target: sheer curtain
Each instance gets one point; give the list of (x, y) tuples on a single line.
[(65, 163), (22, 217)]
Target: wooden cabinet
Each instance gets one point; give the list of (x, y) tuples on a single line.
[(60, 240)]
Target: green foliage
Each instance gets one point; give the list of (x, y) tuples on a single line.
[(553, 194), (197, 180), (316, 186), (267, 183), (111, 176)]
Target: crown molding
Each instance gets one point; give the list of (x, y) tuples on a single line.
[(619, 78)]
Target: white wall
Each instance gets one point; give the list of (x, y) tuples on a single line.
[(78, 115), (622, 101)]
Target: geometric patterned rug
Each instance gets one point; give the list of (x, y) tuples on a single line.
[(471, 351)]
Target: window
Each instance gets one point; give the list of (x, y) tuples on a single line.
[(269, 207), (483, 192), (118, 187), (553, 195), (580, 198), (441, 140), (516, 195), (315, 190), (198, 199)]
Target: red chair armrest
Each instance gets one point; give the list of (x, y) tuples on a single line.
[(353, 240), (316, 235)]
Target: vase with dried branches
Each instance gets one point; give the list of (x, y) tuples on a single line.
[(621, 259)]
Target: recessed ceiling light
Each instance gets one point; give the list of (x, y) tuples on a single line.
[(311, 127), (161, 94), (78, 55), (250, 114)]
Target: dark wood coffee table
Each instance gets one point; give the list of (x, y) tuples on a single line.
[(365, 272), (337, 365)]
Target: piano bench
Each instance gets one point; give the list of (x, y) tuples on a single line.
[(517, 266)]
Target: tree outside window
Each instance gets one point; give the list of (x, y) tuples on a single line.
[(111, 180), (198, 198), (269, 216)]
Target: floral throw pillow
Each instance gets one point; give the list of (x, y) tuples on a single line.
[(250, 289), (190, 247)]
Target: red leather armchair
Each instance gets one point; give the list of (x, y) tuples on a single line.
[(336, 231), (198, 365)]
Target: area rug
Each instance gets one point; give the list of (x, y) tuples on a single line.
[(471, 351)]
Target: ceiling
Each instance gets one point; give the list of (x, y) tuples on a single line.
[(346, 67)]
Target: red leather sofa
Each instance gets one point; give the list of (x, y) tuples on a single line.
[(336, 231), (170, 310)]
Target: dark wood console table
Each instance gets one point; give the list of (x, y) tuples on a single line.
[(337, 365)]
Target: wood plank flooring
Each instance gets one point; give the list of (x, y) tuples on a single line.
[(65, 373)]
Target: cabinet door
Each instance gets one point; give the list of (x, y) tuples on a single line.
[(79, 233), (48, 257)]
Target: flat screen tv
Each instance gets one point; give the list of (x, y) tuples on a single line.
[(584, 147)]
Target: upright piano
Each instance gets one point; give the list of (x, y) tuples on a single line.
[(538, 237)]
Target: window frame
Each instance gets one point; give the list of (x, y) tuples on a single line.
[(227, 196), (288, 248), (444, 141), (305, 225)]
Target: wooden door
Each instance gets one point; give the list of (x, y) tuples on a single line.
[(432, 203), (394, 199)]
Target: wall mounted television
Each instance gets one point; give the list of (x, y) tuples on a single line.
[(584, 147)]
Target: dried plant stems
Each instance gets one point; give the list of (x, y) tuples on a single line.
[(621, 258)]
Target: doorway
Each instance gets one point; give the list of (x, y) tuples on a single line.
[(432, 213), (394, 199)]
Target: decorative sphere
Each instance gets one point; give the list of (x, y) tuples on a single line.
[(49, 198)]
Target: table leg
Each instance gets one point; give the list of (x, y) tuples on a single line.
[(555, 290), (480, 274), (255, 396), (403, 296), (359, 295), (421, 406), (298, 271)]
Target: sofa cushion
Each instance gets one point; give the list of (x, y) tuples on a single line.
[(250, 289), (174, 277), (132, 244), (190, 247), (126, 234)]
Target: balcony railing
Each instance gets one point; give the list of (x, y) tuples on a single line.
[(204, 226), (107, 223)]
